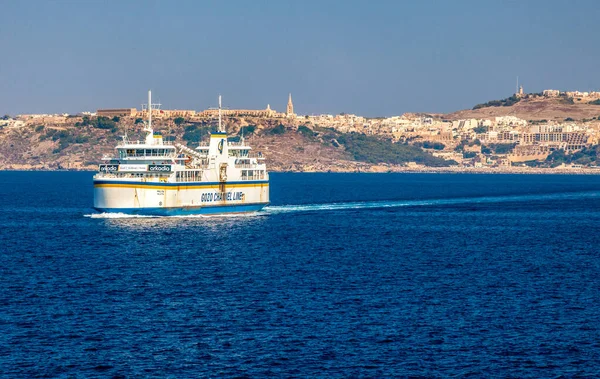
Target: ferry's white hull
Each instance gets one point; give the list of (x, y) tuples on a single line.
[(157, 198)]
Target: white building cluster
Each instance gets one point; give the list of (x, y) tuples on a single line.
[(522, 140)]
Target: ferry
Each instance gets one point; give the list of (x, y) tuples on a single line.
[(162, 178)]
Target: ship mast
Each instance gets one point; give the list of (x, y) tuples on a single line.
[(220, 114), (150, 110), (148, 128)]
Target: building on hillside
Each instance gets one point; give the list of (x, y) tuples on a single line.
[(171, 113), (11, 123), (575, 140), (166, 113), (440, 137), (214, 112), (551, 92), (118, 112), (510, 121), (465, 124)]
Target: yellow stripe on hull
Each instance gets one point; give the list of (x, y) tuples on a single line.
[(179, 187)]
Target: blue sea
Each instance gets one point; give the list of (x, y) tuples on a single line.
[(343, 275)]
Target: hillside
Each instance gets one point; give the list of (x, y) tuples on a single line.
[(345, 145), (285, 147), (538, 108)]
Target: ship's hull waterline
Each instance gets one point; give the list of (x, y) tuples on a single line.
[(175, 199)]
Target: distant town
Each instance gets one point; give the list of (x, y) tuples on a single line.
[(504, 141)]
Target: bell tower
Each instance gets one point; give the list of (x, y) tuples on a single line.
[(290, 108)]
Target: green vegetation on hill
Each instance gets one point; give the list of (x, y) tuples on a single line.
[(461, 146), (100, 122), (195, 133), (499, 103), (595, 102), (498, 148), (430, 145), (564, 99), (587, 156), (537, 122), (492, 148), (370, 149), (279, 129), (305, 131), (247, 130)]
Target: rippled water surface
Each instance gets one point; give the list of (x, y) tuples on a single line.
[(344, 275)]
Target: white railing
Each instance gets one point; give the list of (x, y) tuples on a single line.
[(166, 143), (142, 158), (147, 176), (149, 155)]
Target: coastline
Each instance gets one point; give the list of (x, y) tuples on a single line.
[(382, 170)]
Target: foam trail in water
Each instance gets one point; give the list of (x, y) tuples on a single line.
[(116, 215), (125, 215), (218, 215), (275, 209), (407, 203)]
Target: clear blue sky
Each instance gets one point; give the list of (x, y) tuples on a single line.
[(373, 58)]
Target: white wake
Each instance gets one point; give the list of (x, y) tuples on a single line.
[(412, 203), (279, 209)]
